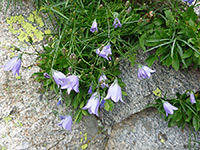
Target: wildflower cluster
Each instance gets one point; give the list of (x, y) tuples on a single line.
[(183, 109), (81, 63)]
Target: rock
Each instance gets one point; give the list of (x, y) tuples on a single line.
[(140, 92), (147, 131)]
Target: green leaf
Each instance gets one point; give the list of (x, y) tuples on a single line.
[(170, 17), (116, 72), (141, 41), (171, 123), (111, 104), (76, 116), (198, 105), (158, 21), (175, 63), (106, 106), (172, 49), (124, 93), (189, 45), (151, 59), (178, 116), (195, 123), (166, 43), (82, 104)]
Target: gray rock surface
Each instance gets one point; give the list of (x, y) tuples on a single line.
[(27, 118), (140, 92), (146, 131)]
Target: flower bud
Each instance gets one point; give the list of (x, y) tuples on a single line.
[(92, 66), (70, 30), (86, 75), (74, 13), (63, 51), (75, 33), (72, 19), (117, 59), (129, 10), (70, 69), (110, 63), (66, 31), (101, 47), (140, 20), (100, 6), (79, 60), (103, 68), (73, 56), (127, 3), (90, 73)]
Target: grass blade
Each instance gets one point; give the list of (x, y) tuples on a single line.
[(158, 46)]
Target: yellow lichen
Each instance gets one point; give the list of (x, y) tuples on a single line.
[(31, 18), (157, 92), (47, 31), (162, 141), (18, 77), (12, 55), (84, 146), (24, 29)]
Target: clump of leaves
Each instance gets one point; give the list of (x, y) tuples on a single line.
[(187, 112), (73, 48), (174, 38)]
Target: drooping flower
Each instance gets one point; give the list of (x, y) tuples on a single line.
[(94, 27), (169, 109), (105, 52), (46, 75), (192, 98), (144, 72), (128, 10), (102, 103), (93, 104), (13, 65), (59, 102), (102, 81), (117, 23), (114, 92), (66, 122), (71, 82), (189, 1), (90, 90), (59, 77)]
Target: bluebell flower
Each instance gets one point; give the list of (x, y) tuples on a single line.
[(13, 65), (189, 1), (144, 72), (117, 23), (102, 81), (93, 104), (94, 27), (114, 92), (90, 90), (169, 109), (105, 52), (59, 102), (192, 98), (46, 75), (102, 103), (59, 77), (66, 122), (71, 82)]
